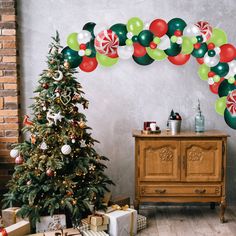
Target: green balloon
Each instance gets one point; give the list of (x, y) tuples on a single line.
[(220, 105), (175, 24), (203, 71), (156, 54), (145, 37), (135, 25), (144, 61), (187, 45), (105, 60), (90, 27), (229, 119), (221, 69), (198, 53), (174, 49), (121, 32), (218, 37), (72, 41), (90, 45), (72, 57), (225, 88)]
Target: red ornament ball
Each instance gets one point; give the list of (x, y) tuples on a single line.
[(211, 46), (82, 46), (45, 86), (19, 160), (211, 74), (197, 45), (178, 33), (152, 45), (50, 172)]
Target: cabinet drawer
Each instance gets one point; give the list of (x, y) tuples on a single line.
[(180, 190)]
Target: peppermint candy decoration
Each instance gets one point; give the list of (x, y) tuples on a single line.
[(106, 42), (205, 29), (231, 103)]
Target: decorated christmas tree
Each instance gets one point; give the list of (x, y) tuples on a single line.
[(58, 169)]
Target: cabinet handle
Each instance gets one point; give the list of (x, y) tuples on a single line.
[(200, 191), (160, 190)]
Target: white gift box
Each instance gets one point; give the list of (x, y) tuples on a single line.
[(48, 223), (122, 222)]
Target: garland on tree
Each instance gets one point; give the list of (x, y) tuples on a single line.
[(58, 169), (146, 43)]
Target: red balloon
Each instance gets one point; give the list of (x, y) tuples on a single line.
[(88, 64), (179, 59), (227, 52), (158, 27), (214, 87), (139, 50), (200, 60)]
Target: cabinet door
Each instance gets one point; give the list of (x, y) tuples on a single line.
[(201, 160), (159, 160)]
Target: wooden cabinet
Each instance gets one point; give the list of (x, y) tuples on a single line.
[(187, 167)]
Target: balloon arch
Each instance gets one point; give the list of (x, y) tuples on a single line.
[(145, 43)]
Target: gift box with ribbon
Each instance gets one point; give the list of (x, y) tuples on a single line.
[(122, 221), (98, 222), (141, 222), (9, 216), (20, 228)]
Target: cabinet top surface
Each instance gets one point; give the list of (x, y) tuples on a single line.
[(182, 134)]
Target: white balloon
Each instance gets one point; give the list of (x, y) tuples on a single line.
[(165, 43), (14, 153), (211, 61), (191, 30), (210, 81), (81, 53), (232, 69), (125, 52), (66, 149), (84, 36), (99, 28)]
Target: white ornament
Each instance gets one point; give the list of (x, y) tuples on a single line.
[(60, 76), (14, 153), (165, 43), (73, 140), (211, 61), (44, 108), (55, 117), (66, 149), (179, 40), (43, 146), (129, 35), (210, 81), (57, 95), (81, 53), (125, 52), (84, 36)]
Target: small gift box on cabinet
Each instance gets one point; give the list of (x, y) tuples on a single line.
[(20, 228), (9, 216), (141, 222), (48, 223), (122, 222)]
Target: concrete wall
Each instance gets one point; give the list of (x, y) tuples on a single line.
[(124, 96)]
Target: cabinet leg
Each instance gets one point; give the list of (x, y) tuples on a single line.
[(222, 211), (212, 205)]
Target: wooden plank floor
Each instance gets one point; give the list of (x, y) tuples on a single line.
[(187, 221)]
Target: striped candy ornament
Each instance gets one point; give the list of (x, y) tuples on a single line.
[(231, 103), (106, 42), (205, 29)]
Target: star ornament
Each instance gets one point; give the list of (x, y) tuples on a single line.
[(55, 117)]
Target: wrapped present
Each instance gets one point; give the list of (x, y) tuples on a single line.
[(98, 228), (120, 200), (84, 225), (9, 216), (20, 228), (122, 221), (64, 232), (141, 222), (98, 219), (93, 233), (48, 223)]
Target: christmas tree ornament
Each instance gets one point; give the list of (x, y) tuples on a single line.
[(76, 97), (29, 182), (66, 65), (86, 104), (65, 98), (33, 139), (50, 172), (39, 117), (45, 85), (44, 108), (66, 149), (59, 76), (19, 160), (82, 124), (54, 116), (43, 146), (26, 121), (14, 153)]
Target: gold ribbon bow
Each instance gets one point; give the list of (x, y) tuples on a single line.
[(122, 208)]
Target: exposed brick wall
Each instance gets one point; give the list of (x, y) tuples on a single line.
[(9, 95)]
